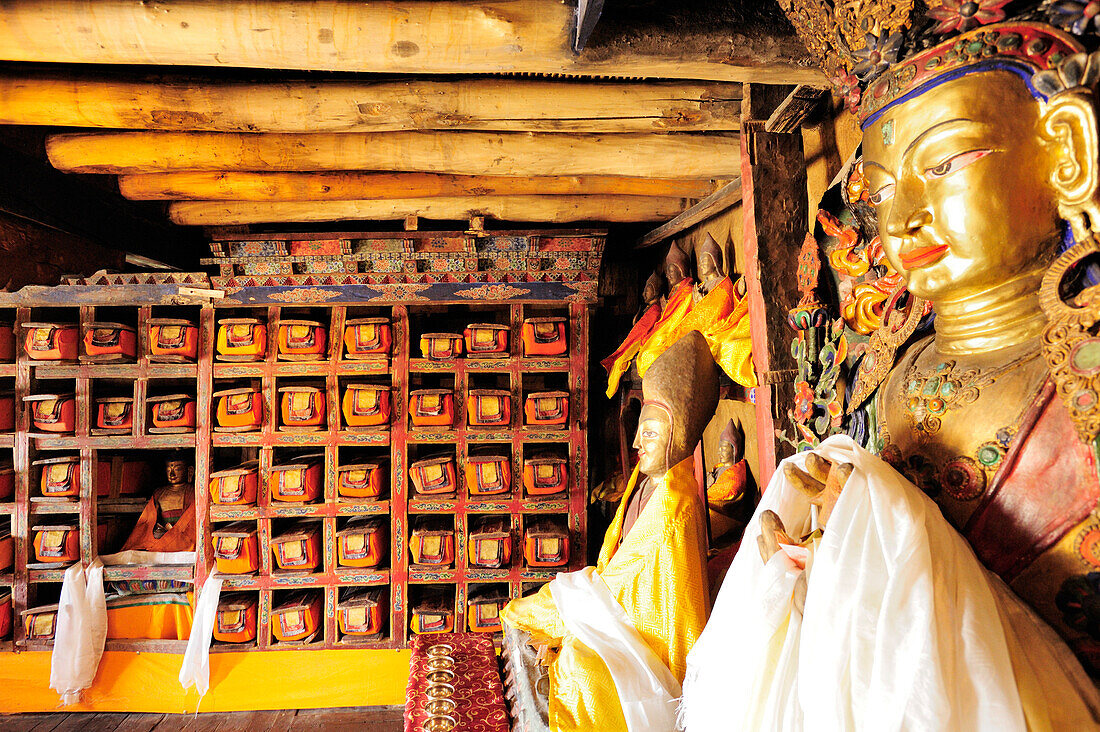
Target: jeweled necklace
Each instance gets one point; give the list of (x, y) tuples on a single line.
[(928, 395)]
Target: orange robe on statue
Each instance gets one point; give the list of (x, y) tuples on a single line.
[(180, 537), (722, 316), (618, 362), (664, 332)]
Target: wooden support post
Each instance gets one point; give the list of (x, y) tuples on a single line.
[(685, 155), (773, 175)]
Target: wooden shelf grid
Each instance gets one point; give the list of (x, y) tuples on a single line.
[(414, 299)]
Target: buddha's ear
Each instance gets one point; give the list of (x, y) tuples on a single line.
[(1069, 125)]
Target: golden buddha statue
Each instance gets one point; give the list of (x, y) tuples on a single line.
[(652, 561), (981, 158), (167, 523)]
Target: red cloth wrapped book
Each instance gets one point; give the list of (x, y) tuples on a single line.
[(478, 693)]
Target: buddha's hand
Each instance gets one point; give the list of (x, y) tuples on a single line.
[(822, 482), (772, 534), (545, 647)]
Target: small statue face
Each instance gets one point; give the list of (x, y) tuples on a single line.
[(178, 472), (652, 289), (675, 274), (708, 268), (961, 179), (652, 440)]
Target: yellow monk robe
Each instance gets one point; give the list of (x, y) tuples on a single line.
[(658, 575), (722, 316), (664, 332), (618, 362)]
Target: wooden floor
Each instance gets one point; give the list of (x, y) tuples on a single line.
[(360, 719)]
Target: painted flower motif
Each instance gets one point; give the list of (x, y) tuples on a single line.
[(846, 85), (857, 185), (877, 55), (1074, 15), (962, 15), (803, 401)]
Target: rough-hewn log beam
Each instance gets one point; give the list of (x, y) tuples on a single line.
[(714, 204), (507, 105), (411, 37), (542, 209), (464, 153), (793, 111), (355, 185)]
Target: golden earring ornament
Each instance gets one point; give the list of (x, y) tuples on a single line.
[(1071, 345), (898, 325)]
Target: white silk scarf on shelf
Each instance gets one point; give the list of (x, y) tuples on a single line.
[(81, 629), (646, 688), (195, 670), (903, 629)]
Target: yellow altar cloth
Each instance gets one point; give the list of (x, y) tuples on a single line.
[(239, 680), (658, 574), (160, 616)]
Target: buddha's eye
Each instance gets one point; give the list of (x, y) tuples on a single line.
[(882, 194), (955, 163)]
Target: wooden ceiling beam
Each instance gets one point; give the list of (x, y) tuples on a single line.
[(94, 99), (687, 156), (408, 37), (542, 209), (355, 185)]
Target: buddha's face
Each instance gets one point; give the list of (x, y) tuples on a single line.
[(652, 440), (178, 472), (961, 179)]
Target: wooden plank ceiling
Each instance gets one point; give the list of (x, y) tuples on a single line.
[(329, 110)]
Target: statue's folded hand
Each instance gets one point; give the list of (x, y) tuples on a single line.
[(822, 482)]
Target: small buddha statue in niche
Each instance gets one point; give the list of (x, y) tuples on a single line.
[(167, 523), (729, 478), (652, 560)]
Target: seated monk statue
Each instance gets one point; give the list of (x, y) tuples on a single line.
[(981, 159), (729, 481), (681, 291), (618, 363), (720, 311), (708, 267), (651, 569), (167, 524)]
